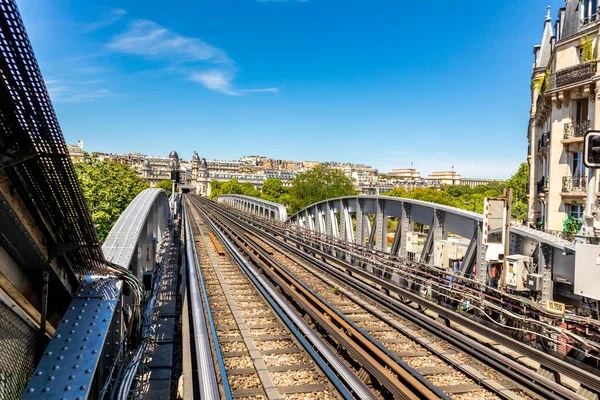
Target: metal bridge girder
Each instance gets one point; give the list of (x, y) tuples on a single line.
[(442, 219), (256, 206)]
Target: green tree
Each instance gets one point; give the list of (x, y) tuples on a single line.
[(167, 185), (232, 186), (108, 187), (248, 189), (317, 184), (518, 183), (272, 190)]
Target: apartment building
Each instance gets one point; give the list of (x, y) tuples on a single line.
[(563, 108)]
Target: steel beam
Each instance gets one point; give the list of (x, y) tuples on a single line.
[(381, 232), (360, 226), (71, 360)]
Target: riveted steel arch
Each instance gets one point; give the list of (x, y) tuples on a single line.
[(346, 218), (253, 205), (132, 241)]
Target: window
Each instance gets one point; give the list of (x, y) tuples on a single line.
[(581, 110), (577, 167), (588, 9), (576, 211)]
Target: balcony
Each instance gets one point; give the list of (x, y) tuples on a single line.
[(543, 142), (542, 185), (588, 20), (572, 75), (574, 185), (576, 129)]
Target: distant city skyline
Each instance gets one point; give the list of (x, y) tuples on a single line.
[(367, 83), (183, 156)]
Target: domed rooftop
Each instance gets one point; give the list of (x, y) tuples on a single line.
[(195, 156), (173, 154), (203, 163)]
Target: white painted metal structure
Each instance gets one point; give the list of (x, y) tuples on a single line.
[(262, 208), (334, 218), (132, 242)]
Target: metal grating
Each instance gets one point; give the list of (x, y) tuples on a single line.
[(33, 151), (17, 355)]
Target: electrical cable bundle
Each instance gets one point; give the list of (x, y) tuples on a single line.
[(130, 365)]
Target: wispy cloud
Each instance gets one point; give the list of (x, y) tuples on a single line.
[(111, 16), (76, 92), (216, 80), (147, 38), (191, 57), (265, 90)]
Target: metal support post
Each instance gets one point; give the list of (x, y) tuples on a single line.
[(405, 227), (381, 233), (545, 268), (480, 263), (360, 228)]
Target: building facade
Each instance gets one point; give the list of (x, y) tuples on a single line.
[(76, 151), (563, 108), (444, 178)]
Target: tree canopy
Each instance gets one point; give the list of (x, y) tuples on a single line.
[(317, 184), (108, 187), (272, 190), (232, 186), (167, 185), (518, 182)]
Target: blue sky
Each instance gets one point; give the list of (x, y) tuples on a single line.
[(384, 83)]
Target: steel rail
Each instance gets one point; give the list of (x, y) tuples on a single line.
[(348, 385), (207, 380), (211, 321), (513, 369), (395, 375)]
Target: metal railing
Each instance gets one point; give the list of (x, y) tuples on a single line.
[(571, 75), (542, 184), (589, 19), (576, 129), (544, 141), (574, 184)]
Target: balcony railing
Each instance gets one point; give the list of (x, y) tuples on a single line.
[(544, 141), (571, 75), (576, 129), (542, 185), (589, 19), (572, 184)]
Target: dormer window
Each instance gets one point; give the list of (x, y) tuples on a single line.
[(589, 11)]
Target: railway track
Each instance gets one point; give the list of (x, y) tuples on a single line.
[(261, 357), (389, 375), (458, 372), (260, 350)]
